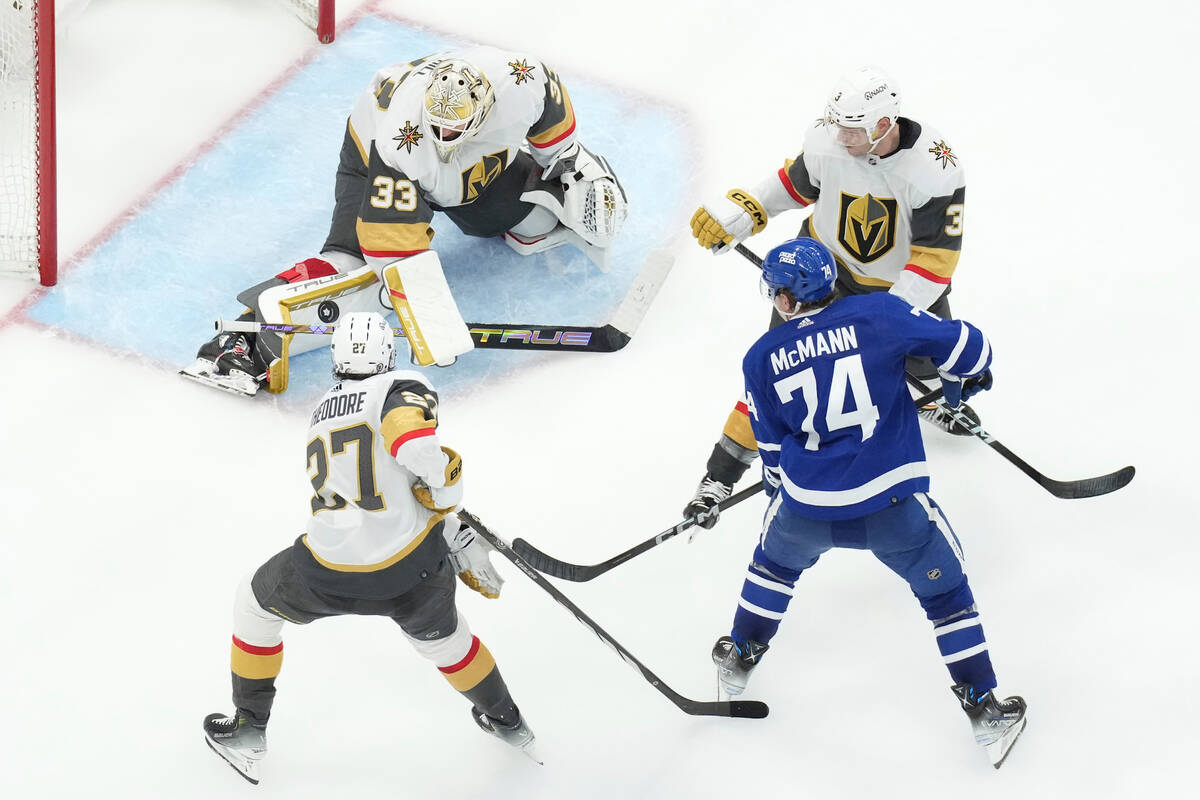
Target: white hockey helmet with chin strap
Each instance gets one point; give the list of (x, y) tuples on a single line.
[(363, 345), (860, 99), (457, 101)]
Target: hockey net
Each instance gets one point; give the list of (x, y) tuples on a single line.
[(27, 159), (316, 14)]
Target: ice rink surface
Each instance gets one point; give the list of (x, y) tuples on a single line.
[(132, 503)]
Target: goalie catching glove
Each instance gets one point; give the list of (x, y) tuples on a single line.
[(594, 201), (721, 224), (470, 557)]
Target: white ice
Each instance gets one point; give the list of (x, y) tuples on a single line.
[(131, 502)]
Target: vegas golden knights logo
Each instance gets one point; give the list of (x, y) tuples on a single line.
[(867, 226), (482, 173)]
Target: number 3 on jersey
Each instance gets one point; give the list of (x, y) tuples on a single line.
[(848, 378)]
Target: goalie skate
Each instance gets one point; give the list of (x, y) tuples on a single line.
[(518, 735), (237, 382), (226, 363), (237, 740)]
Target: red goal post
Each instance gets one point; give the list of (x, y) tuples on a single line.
[(316, 14), (28, 173)]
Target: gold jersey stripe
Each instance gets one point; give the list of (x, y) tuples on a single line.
[(382, 238), (401, 421), (556, 132), (936, 260), (408, 548), (362, 151)]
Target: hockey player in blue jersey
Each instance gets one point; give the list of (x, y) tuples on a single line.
[(844, 466)]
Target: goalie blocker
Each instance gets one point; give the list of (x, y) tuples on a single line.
[(314, 291)]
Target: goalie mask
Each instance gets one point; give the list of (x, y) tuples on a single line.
[(857, 104), (362, 345), (457, 101)]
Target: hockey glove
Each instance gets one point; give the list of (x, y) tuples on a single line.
[(445, 498), (719, 225), (703, 506), (955, 390), (469, 556)]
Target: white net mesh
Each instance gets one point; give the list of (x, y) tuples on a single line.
[(305, 9), (18, 137)]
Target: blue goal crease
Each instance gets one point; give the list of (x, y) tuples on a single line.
[(261, 199)]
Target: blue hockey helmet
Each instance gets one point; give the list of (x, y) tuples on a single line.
[(803, 266)]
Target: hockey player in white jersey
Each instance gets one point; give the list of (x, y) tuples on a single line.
[(382, 539), (886, 195), (485, 136), (844, 466)]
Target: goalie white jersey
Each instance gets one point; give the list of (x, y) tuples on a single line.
[(531, 113), (365, 517)]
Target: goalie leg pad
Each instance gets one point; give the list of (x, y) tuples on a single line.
[(421, 298), (306, 302)]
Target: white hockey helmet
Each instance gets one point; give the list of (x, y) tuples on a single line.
[(457, 101), (363, 345), (860, 99)]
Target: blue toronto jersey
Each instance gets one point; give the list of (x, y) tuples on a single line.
[(832, 414)]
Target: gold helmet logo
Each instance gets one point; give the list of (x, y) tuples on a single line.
[(867, 226)]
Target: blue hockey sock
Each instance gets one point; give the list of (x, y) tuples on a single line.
[(964, 649), (766, 593)]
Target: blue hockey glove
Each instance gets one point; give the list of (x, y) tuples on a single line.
[(955, 390)]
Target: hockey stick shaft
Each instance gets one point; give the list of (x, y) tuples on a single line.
[(579, 573), (543, 337), (738, 708), (1067, 490), (486, 335), (582, 572)]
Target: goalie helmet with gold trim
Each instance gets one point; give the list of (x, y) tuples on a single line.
[(457, 101), (363, 345), (859, 101)]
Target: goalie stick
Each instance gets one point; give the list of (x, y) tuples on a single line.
[(1067, 490), (607, 338), (581, 572), (752, 709)]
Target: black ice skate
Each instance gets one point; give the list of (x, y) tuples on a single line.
[(239, 740), (734, 664), (940, 418), (518, 735), (996, 723), (228, 363)]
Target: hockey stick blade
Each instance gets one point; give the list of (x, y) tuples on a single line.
[(580, 573), (750, 709), (607, 338), (1066, 490)]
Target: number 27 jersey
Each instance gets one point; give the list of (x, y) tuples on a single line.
[(830, 409)]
